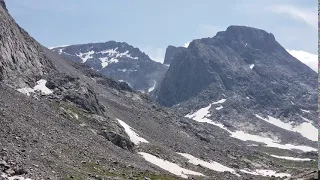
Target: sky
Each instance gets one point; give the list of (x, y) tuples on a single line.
[(153, 25)]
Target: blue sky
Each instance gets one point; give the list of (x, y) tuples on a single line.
[(153, 25)]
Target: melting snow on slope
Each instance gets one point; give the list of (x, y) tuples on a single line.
[(251, 66), (219, 108), (268, 141), (112, 56), (85, 56), (210, 165), (202, 114), (14, 177), (306, 111), (268, 173), (40, 86), (110, 51), (105, 61), (134, 137), (169, 166), (291, 158), (307, 130), (153, 86), (117, 54), (220, 101)]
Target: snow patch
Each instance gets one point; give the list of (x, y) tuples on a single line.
[(153, 86), (306, 111), (110, 51), (14, 177), (220, 101), (291, 158), (219, 108), (251, 66), (202, 114), (269, 142), (169, 166), (307, 130), (266, 173), (40, 87), (210, 165), (85, 56), (134, 137), (116, 54), (105, 61)]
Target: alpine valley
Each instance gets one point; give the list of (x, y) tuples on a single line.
[(233, 106)]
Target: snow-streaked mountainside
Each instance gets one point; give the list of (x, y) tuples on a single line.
[(119, 61), (61, 119), (243, 82)]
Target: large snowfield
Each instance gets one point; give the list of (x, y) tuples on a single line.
[(306, 129)]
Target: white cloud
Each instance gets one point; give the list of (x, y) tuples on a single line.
[(186, 44), (306, 15), (156, 54), (309, 59)]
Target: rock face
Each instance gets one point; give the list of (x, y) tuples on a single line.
[(21, 61), (69, 88), (243, 60), (119, 61), (87, 126), (170, 52), (249, 69)]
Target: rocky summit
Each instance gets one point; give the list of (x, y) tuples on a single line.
[(119, 61), (170, 53), (62, 118), (244, 82)]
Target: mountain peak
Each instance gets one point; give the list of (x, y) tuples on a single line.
[(246, 32), (248, 36), (170, 53)]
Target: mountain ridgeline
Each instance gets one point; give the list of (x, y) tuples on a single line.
[(243, 60), (117, 60), (62, 117)]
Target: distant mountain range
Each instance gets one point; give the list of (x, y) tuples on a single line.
[(235, 106), (119, 61)]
